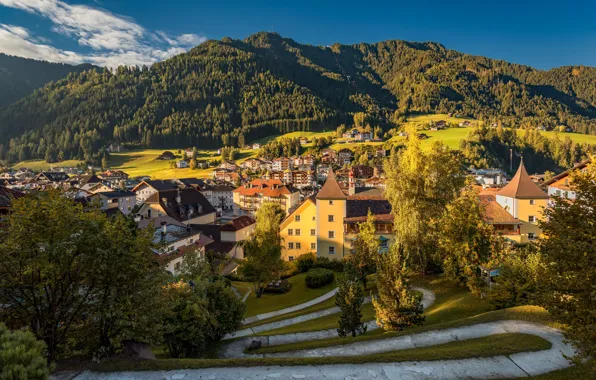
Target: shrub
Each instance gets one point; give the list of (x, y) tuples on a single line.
[(278, 287), (290, 269), (334, 265), (21, 355), (318, 277), (306, 262)]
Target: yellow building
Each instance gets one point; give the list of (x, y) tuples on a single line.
[(328, 223), (525, 201), (331, 211), (299, 231)]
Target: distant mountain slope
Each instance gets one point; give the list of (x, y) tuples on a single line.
[(221, 90), (20, 76)]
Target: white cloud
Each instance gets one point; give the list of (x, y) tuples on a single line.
[(14, 41), (115, 39), (190, 39)]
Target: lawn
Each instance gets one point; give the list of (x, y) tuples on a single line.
[(575, 137), (299, 293), (452, 303), (143, 163), (502, 344), (41, 165)]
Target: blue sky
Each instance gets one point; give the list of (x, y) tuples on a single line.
[(542, 34)]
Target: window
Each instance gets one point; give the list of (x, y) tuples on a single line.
[(298, 246), (313, 232), (384, 244), (332, 250), (177, 267), (331, 218), (313, 246), (330, 203), (532, 202), (331, 234), (290, 231), (290, 245), (291, 258), (297, 231), (297, 218), (531, 219), (531, 235)]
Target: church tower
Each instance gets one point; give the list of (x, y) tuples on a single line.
[(331, 211)]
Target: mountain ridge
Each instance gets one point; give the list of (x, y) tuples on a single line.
[(225, 91), (20, 76)]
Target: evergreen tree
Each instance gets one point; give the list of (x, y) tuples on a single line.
[(395, 306), (22, 356), (349, 299)]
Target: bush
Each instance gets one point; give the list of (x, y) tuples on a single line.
[(21, 355), (318, 277), (278, 287), (334, 265), (306, 262), (290, 269)]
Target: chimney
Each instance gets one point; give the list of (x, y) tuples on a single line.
[(179, 198), (164, 228)]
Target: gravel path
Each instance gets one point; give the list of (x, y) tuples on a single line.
[(236, 348), (511, 366), (291, 309), (516, 365)]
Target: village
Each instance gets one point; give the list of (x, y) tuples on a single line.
[(324, 199)]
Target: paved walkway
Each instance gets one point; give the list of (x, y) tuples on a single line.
[(291, 309), (236, 348), (516, 365)]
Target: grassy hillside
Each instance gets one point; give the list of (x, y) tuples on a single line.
[(143, 162)]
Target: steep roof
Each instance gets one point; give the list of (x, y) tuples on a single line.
[(7, 195), (238, 223), (579, 166), (331, 189), (193, 203), (493, 213), (521, 186)]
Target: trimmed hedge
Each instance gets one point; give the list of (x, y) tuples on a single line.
[(318, 277)]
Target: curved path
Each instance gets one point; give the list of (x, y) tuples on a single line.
[(288, 310), (236, 348), (515, 365)]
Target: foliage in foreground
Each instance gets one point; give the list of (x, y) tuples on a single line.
[(62, 270), (570, 252), (22, 357), (199, 316)]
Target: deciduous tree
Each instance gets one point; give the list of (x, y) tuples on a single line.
[(570, 252)]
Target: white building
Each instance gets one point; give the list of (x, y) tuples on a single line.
[(124, 201)]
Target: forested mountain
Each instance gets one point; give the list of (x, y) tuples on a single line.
[(220, 90), (20, 76)]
